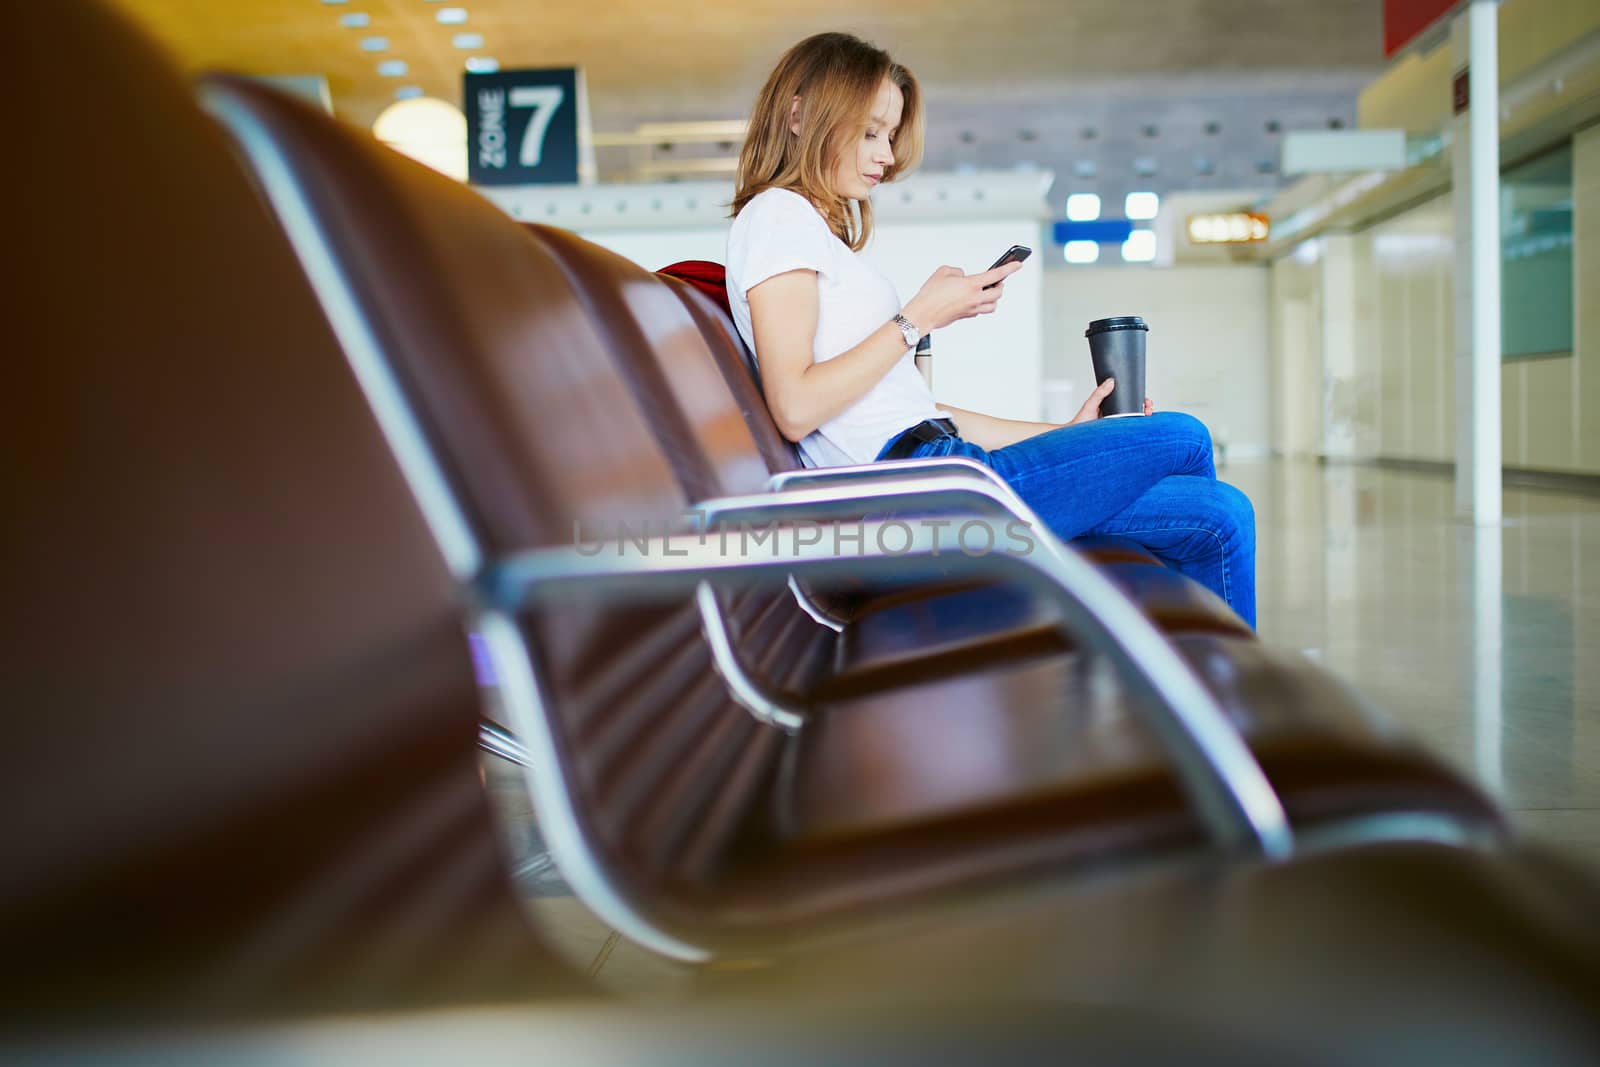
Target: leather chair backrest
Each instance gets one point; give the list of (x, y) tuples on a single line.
[(239, 771), (662, 349), (702, 285), (663, 356), (539, 435), (734, 360)]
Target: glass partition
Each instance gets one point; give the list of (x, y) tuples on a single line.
[(1536, 256)]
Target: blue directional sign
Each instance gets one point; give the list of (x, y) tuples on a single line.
[(522, 126), (1100, 231)]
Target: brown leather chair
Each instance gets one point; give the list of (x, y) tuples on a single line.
[(685, 823), (239, 772)]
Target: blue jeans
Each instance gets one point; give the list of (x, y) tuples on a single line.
[(1147, 479)]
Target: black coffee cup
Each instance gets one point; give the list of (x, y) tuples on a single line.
[(1116, 346)]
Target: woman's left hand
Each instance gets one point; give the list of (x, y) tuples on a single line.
[(1091, 407)]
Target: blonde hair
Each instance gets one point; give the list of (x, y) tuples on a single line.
[(837, 77)]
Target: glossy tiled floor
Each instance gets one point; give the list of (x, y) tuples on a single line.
[(1484, 643)]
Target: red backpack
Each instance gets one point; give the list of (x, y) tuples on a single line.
[(710, 278)]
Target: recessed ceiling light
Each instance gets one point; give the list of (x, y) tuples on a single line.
[(1141, 205), (408, 92), (451, 16), (393, 68), (356, 20), (374, 44), (1081, 252), (1083, 207), (467, 40), (482, 64), (331, 3), (1140, 247)]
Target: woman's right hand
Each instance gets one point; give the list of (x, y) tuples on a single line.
[(950, 295)]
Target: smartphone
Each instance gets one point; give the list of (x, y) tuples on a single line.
[(1014, 254)]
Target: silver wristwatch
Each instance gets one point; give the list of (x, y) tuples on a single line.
[(908, 330)]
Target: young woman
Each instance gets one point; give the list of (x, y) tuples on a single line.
[(837, 118)]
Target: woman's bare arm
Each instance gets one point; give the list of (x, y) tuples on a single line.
[(991, 431), (803, 394)]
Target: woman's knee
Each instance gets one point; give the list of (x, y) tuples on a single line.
[(1234, 513), (1185, 427), (1188, 441)]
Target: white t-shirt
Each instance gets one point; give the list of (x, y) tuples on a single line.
[(780, 231)]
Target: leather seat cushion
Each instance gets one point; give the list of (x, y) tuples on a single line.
[(945, 633), (1043, 766)]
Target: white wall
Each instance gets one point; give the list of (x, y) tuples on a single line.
[(1207, 351), (1294, 413), (992, 363)]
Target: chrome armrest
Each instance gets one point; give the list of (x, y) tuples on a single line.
[(871, 473), (927, 489), (921, 491), (1235, 800), (498, 741), (868, 476)]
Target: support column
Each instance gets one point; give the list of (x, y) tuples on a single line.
[(1488, 657), (1338, 346), (1475, 170)]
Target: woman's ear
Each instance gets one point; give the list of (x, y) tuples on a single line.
[(794, 116)]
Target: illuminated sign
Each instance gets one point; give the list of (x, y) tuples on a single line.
[(1228, 228)]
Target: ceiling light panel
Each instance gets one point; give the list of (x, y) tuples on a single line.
[(1083, 207), (1140, 247), (1141, 205), (1081, 251)]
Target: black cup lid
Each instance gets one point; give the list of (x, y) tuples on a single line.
[(1120, 322)]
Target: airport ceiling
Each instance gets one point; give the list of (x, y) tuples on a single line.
[(1110, 94)]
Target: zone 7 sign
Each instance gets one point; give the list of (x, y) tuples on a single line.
[(522, 126)]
